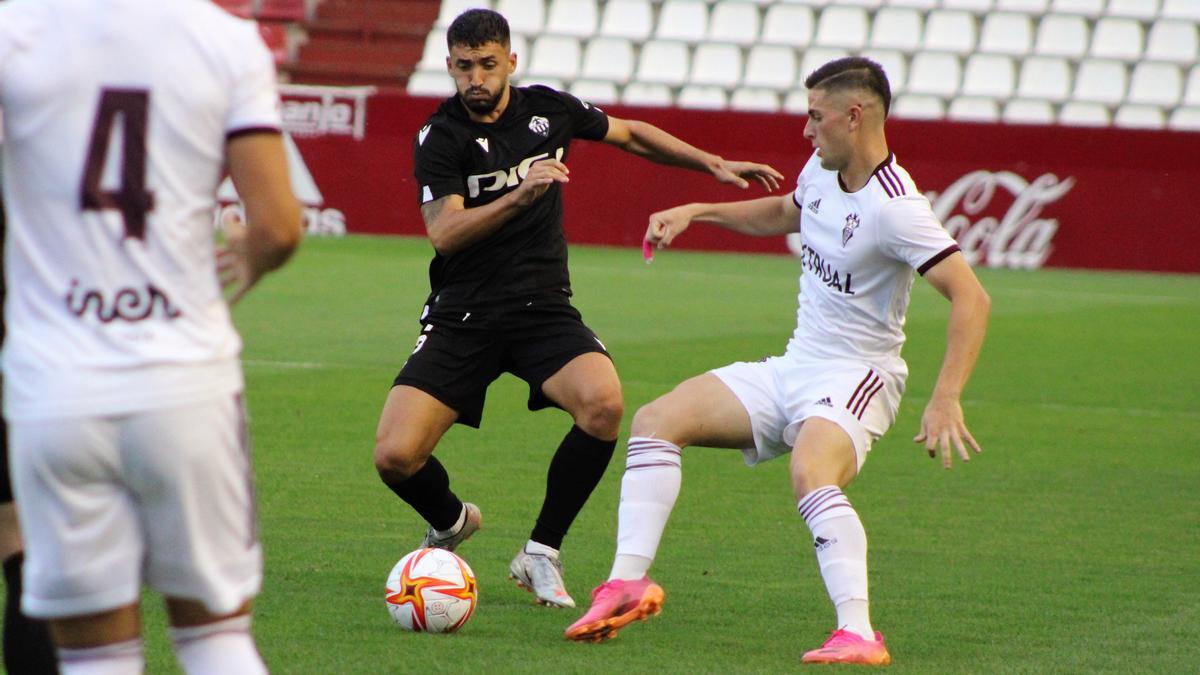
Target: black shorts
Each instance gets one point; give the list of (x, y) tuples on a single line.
[(458, 356)]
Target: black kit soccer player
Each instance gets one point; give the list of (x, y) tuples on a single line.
[(489, 164)]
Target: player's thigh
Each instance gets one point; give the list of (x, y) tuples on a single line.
[(823, 454), (700, 411), (411, 424), (190, 470), (82, 531)]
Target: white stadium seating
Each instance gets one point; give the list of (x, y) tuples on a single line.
[(1130, 63)]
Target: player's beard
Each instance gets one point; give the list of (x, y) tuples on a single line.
[(482, 105)]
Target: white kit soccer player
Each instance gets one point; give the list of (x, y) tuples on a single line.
[(121, 375)]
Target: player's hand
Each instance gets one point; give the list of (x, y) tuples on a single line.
[(740, 173), (666, 225), (942, 426), (234, 270), (542, 174)]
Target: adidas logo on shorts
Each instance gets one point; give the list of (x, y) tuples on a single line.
[(825, 402)]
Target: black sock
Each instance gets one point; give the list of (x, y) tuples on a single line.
[(575, 471), (27, 646), (428, 491)]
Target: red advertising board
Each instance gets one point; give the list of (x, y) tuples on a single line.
[(1013, 196)]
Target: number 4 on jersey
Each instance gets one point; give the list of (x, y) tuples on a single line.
[(131, 197)]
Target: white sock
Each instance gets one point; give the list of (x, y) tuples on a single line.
[(841, 545), (220, 648), (536, 548), (458, 524), (122, 658), (649, 489)]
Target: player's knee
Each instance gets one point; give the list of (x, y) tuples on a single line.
[(601, 414), (649, 420), (398, 457)]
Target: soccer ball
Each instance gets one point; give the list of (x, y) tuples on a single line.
[(431, 590)]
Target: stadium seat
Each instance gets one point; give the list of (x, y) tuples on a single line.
[(989, 75), (915, 106), (950, 31), (1084, 114), (1140, 117), (434, 56), (663, 62), (1117, 39), (609, 59), (815, 58), (1191, 95), (716, 64), (1030, 7), (770, 66), (734, 21), (554, 56), (1157, 84), (1100, 82), (282, 10), (754, 100), (1171, 40), (975, 6), (865, 4), (430, 83), (970, 109), (796, 102), (274, 35), (1088, 8), (1006, 33), (897, 28), (1185, 119), (647, 94), (1144, 10), (242, 8), (1181, 9), (844, 27), (527, 17), (914, 4), (572, 17), (631, 19), (682, 20), (1045, 77), (1021, 111), (703, 97), (894, 65), (520, 46), (595, 91), (1062, 35), (790, 25), (934, 74), (545, 81), (452, 8)]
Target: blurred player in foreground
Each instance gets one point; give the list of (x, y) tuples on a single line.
[(122, 385), (865, 229), (489, 166)]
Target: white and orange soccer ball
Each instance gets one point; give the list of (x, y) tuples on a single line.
[(431, 590)]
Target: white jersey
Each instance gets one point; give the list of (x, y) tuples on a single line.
[(111, 164), (859, 251)]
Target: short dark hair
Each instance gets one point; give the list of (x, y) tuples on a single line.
[(478, 27), (852, 72)]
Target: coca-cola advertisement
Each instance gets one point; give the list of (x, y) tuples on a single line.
[(1014, 196)]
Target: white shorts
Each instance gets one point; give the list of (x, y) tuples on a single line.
[(164, 497), (781, 392)]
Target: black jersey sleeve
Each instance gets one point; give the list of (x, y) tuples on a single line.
[(589, 122), (437, 164)]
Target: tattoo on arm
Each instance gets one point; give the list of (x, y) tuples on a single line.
[(431, 210)]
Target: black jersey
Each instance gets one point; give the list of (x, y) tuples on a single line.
[(455, 155)]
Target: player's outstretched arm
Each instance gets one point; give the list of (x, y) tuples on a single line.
[(258, 168), (647, 140), (756, 217), (452, 227), (942, 424)]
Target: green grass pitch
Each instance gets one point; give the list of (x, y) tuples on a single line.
[(1069, 545)]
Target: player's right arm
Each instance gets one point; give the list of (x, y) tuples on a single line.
[(258, 168), (452, 227), (756, 217)]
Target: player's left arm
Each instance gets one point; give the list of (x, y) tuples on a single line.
[(648, 141), (942, 424)]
